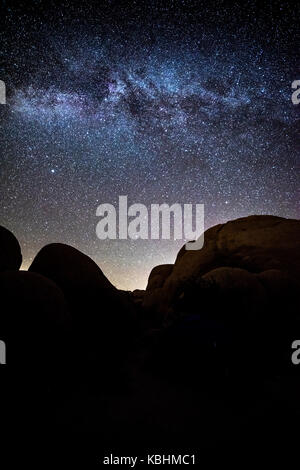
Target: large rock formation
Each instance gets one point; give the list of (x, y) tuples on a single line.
[(69, 267), (10, 251), (241, 291), (254, 244), (84, 285), (103, 317)]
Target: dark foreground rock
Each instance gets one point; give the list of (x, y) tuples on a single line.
[(10, 251), (254, 244), (238, 296), (92, 298), (158, 276), (202, 357), (103, 318), (69, 268), (34, 321)]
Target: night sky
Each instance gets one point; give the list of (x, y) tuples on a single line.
[(186, 102)]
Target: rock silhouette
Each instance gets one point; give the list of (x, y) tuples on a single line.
[(68, 267), (34, 320), (158, 276), (243, 287), (10, 251), (102, 316), (254, 244), (84, 285), (187, 360)]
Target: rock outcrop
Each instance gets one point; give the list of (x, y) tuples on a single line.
[(68, 267), (226, 306), (10, 251), (214, 330), (84, 285), (253, 244), (103, 317), (158, 276), (34, 320)]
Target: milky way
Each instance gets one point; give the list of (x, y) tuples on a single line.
[(168, 102)]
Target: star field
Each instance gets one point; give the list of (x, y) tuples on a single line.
[(164, 102)]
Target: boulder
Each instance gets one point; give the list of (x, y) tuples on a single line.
[(84, 285), (260, 243), (137, 296), (103, 317), (10, 251), (240, 290), (190, 263), (158, 276), (254, 244), (279, 285), (34, 320), (68, 267)]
